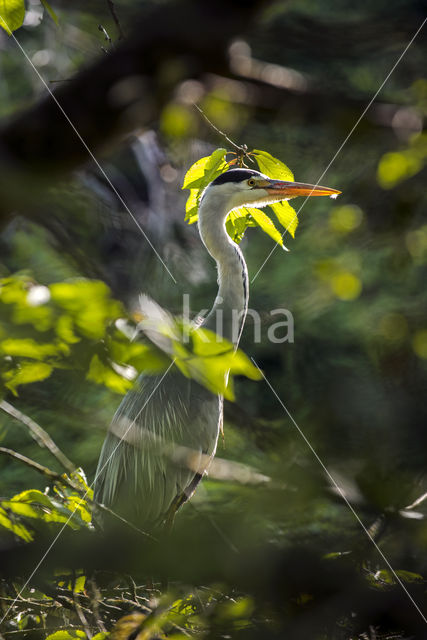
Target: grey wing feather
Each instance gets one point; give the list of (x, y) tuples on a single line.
[(160, 440)]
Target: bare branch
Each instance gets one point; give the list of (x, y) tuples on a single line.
[(66, 481), (117, 94), (41, 436), (115, 18), (52, 475)]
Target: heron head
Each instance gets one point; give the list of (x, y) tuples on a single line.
[(246, 187)]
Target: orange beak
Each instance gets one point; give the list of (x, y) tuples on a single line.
[(293, 189)]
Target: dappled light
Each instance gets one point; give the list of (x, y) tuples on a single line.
[(212, 383)]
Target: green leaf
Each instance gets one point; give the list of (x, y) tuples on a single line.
[(75, 634), (213, 361), (266, 225), (103, 374), (207, 169), (65, 329), (192, 207), (243, 366), (197, 178), (77, 504), (89, 303), (28, 348), (16, 528), (237, 222), (202, 172), (272, 167), (143, 357), (25, 373), (35, 504), (78, 476), (12, 13), (286, 215), (50, 11)]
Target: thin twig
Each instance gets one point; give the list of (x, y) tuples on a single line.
[(106, 36), (79, 609), (417, 502), (95, 599), (53, 475), (41, 436), (115, 18), (241, 148)]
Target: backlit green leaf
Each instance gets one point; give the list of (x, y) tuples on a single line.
[(50, 11), (271, 166), (16, 528), (202, 172), (286, 215), (213, 361), (207, 169), (197, 178), (28, 348), (103, 374), (12, 13), (192, 207), (75, 634), (35, 504), (266, 225), (26, 373)]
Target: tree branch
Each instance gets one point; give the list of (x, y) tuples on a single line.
[(52, 475), (41, 436), (115, 18), (121, 91), (64, 480)]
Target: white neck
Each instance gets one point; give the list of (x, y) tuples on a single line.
[(228, 314)]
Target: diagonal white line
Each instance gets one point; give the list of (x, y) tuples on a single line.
[(344, 142), (342, 494), (56, 538), (58, 104)]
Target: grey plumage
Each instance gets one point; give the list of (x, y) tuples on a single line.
[(165, 432), (139, 474)]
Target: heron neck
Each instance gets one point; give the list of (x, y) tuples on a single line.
[(228, 313)]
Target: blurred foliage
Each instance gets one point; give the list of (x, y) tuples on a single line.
[(67, 504), (76, 325), (397, 166), (284, 558)]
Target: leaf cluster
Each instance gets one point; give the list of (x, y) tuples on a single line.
[(77, 325), (67, 504), (205, 170)]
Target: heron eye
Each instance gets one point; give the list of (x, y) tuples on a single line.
[(251, 182)]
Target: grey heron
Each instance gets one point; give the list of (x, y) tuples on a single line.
[(164, 436)]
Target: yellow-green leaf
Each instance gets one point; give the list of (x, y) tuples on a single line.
[(192, 207), (199, 175), (104, 374), (15, 527), (27, 372), (35, 504), (271, 166), (266, 225), (202, 172), (50, 11), (28, 348), (241, 365), (12, 13), (286, 215), (75, 634)]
